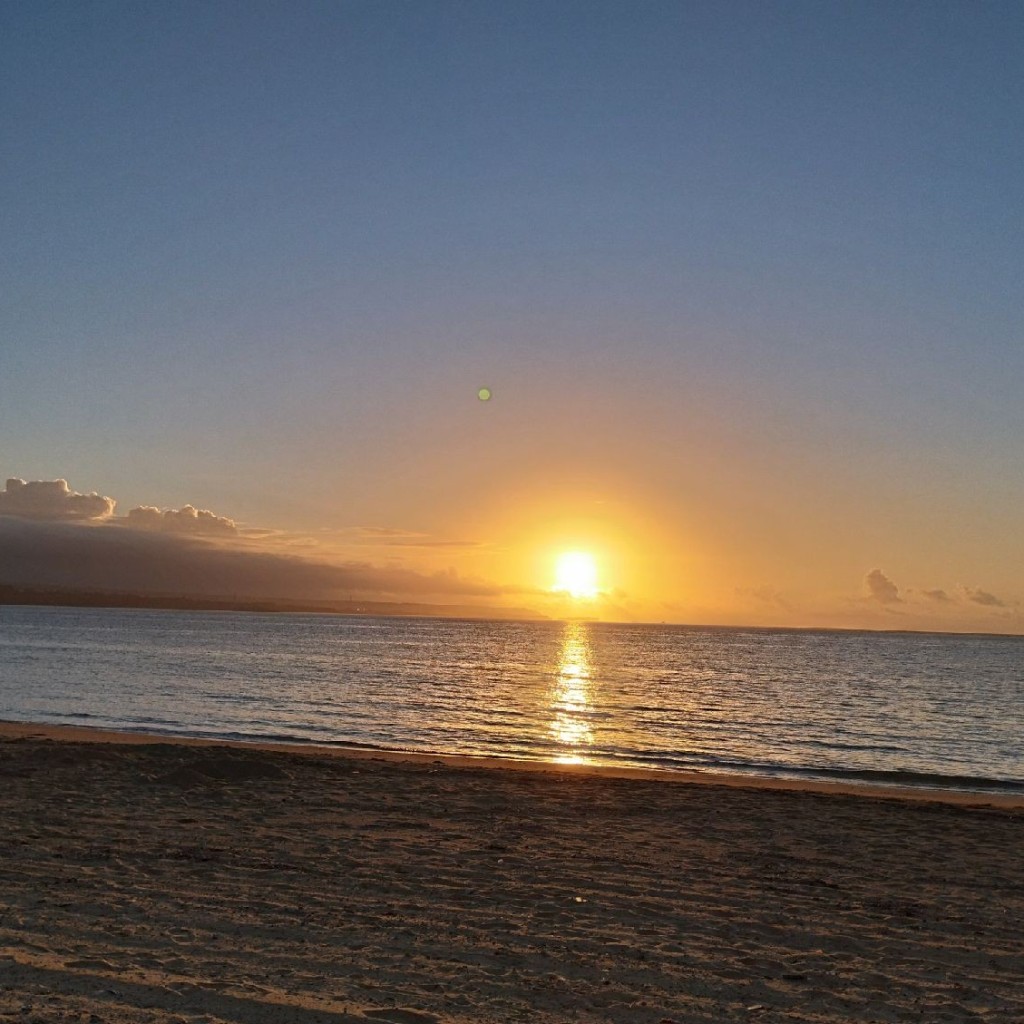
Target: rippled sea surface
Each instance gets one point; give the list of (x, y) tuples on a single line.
[(927, 709)]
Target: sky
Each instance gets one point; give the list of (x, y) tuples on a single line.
[(743, 279)]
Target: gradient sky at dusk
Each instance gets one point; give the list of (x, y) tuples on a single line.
[(745, 279)]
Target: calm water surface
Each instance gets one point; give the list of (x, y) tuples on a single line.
[(935, 710)]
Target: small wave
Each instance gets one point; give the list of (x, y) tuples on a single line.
[(916, 780), (864, 776)]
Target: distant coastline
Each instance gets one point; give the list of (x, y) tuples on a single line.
[(70, 598), (63, 597)]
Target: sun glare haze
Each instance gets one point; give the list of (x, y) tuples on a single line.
[(576, 575)]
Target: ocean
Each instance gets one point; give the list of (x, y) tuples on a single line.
[(933, 710)]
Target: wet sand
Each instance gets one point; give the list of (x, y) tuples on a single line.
[(145, 881)]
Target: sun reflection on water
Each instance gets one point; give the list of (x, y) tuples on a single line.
[(570, 698)]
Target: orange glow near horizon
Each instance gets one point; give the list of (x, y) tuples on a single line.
[(576, 575)]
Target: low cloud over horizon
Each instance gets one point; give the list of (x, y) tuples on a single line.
[(882, 590), (105, 557), (978, 596), (53, 536)]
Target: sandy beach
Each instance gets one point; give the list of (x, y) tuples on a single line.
[(145, 881)]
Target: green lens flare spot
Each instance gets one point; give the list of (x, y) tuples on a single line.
[(484, 394)]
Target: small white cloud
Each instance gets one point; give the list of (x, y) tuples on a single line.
[(52, 499), (882, 589), (187, 519)]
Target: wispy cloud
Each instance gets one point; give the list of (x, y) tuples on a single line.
[(766, 596), (388, 536), (958, 599), (978, 596)]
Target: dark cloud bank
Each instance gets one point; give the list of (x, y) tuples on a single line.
[(54, 537), (110, 557)]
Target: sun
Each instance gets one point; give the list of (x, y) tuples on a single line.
[(576, 574)]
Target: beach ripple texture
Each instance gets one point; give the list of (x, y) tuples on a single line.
[(935, 710)]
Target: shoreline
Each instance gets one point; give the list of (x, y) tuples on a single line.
[(13, 731)]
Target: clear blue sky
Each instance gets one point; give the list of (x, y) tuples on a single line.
[(256, 256)]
